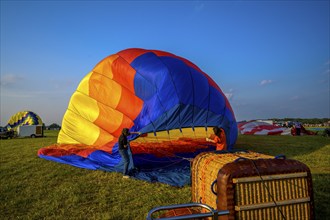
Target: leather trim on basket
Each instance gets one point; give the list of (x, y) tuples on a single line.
[(246, 168)]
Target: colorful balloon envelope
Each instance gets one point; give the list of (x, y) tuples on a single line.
[(23, 118), (167, 98)]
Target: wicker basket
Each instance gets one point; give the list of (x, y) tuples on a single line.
[(204, 172), (253, 186)]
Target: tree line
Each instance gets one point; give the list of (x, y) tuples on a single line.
[(305, 120)]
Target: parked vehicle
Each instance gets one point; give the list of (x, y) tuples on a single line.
[(30, 131), (5, 133)]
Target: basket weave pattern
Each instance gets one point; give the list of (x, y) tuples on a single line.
[(266, 189), (259, 187), (205, 170)]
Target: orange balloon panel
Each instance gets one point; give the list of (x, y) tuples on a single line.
[(167, 98), (103, 104)]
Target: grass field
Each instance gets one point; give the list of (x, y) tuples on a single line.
[(34, 188)]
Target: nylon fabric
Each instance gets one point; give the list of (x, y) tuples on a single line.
[(82, 130), (23, 118), (167, 98)]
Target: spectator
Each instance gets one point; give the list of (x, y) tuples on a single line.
[(298, 128)]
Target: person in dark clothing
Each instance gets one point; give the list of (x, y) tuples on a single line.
[(297, 126), (123, 149)]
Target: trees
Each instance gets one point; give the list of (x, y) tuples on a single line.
[(54, 126), (310, 121)]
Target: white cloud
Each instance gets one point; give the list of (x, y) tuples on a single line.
[(10, 79), (229, 96), (265, 82)]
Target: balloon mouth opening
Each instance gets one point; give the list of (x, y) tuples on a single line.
[(171, 143)]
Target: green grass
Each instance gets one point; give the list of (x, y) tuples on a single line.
[(34, 188)]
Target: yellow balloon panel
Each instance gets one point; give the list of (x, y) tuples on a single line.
[(176, 134), (79, 129), (84, 106), (84, 84), (102, 115), (64, 138)]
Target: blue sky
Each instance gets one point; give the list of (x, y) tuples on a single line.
[(271, 58)]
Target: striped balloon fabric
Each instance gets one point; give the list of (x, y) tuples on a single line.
[(23, 118), (167, 98), (262, 128)]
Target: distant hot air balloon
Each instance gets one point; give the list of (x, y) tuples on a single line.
[(259, 127), (23, 118), (255, 127), (164, 96)]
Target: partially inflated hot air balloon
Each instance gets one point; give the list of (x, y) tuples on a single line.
[(259, 127), (23, 118), (172, 102), (255, 127)]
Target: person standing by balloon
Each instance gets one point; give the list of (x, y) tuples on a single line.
[(123, 146), (219, 139), (297, 126)]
